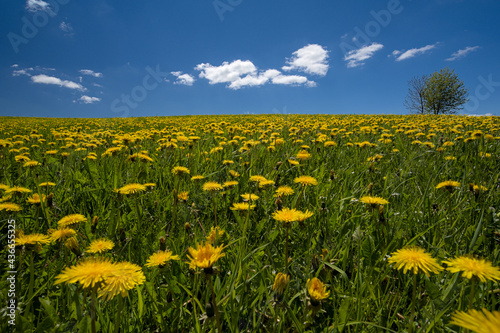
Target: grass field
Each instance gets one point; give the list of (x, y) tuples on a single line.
[(271, 223)]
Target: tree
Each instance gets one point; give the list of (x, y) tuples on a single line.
[(415, 100), (440, 93)]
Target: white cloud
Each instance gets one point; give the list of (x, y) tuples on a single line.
[(67, 28), (356, 58), (89, 100), (462, 53), (184, 79), (15, 66), (45, 79), (36, 5), (311, 59), (21, 72), (241, 74), (227, 72), (412, 52), (90, 72)]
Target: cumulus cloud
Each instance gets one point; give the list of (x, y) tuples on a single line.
[(45, 79), (239, 74), (400, 55), (311, 59), (184, 79), (356, 58), (36, 5), (227, 72), (23, 71), (89, 100), (462, 53), (90, 72)]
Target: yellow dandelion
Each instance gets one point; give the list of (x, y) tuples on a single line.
[(161, 258), (286, 215), (204, 256), (100, 245), (234, 173), (302, 216), (242, 206), (415, 259), (123, 277), (198, 177), (373, 202), (212, 187), (131, 189), (88, 273), (471, 267), (316, 290), (448, 185), (47, 184), (33, 239), (284, 191), (184, 196), (31, 164), (214, 234), (280, 282), (477, 321), (293, 162), (180, 170), (10, 207), (230, 183), (35, 199), (249, 197), (60, 235), (17, 190), (303, 155), (306, 181), (71, 219)]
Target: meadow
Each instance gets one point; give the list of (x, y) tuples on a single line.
[(251, 223)]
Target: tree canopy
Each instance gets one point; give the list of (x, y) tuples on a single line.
[(440, 93)]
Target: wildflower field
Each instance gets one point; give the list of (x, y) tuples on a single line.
[(258, 223)]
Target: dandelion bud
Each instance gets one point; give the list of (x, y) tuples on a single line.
[(209, 309), (50, 200), (93, 227), (332, 175), (279, 204), (278, 165), (280, 282), (163, 244), (187, 226)]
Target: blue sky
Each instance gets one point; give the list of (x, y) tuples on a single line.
[(95, 58)]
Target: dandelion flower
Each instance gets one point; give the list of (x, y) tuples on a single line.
[(316, 290), (212, 187), (284, 191), (180, 170), (46, 184), (230, 183), (184, 196), (71, 219), (131, 189), (287, 215), (249, 197), (448, 185), (204, 256), (280, 282), (121, 279), (477, 321), (198, 177), (33, 239), (471, 267), (88, 273), (100, 245), (161, 258), (10, 207), (61, 234), (214, 234), (373, 202), (306, 181), (302, 216), (242, 206), (31, 164), (415, 258), (35, 199), (17, 190), (303, 155)]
